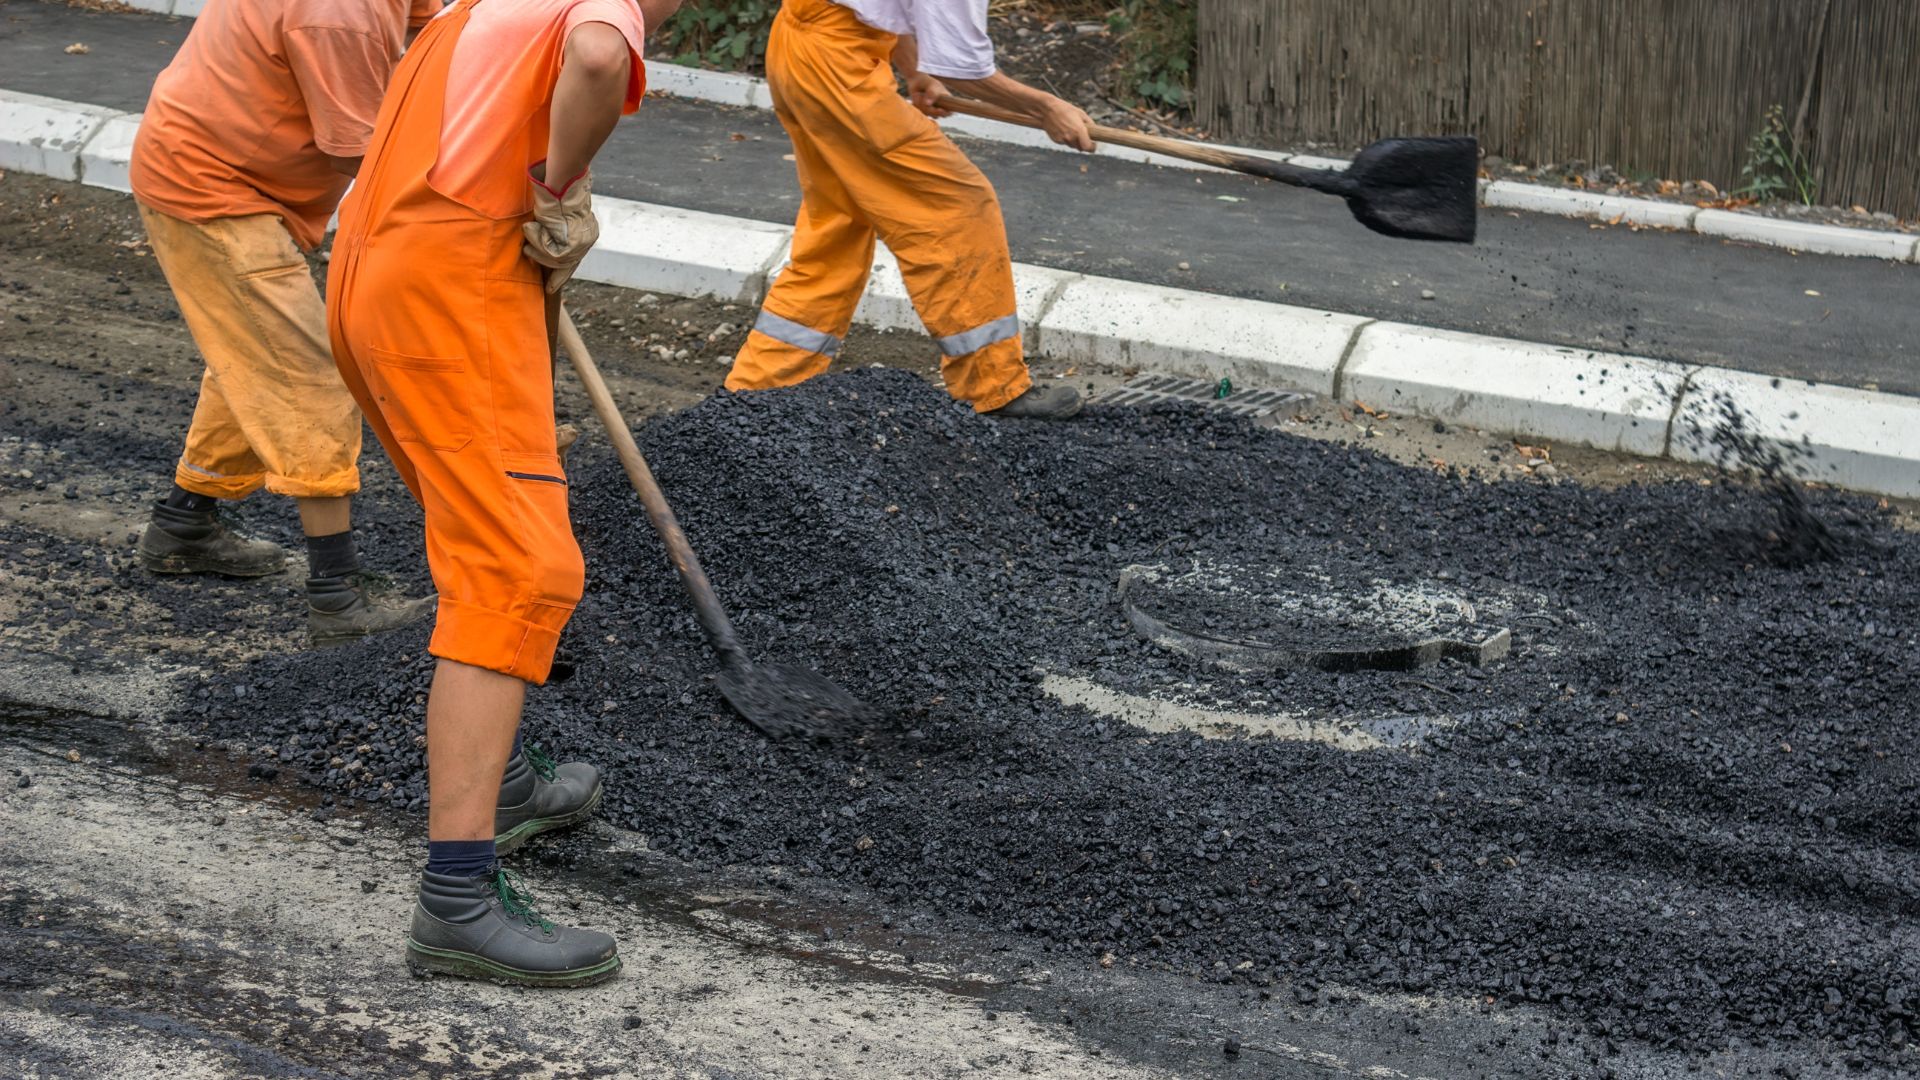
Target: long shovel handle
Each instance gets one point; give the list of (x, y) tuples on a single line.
[(1333, 183), (713, 618)]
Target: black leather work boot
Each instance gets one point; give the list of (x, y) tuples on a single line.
[(1043, 402), (485, 927), (539, 795), (197, 542), (351, 606)]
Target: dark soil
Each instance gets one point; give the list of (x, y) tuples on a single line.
[(1685, 811)]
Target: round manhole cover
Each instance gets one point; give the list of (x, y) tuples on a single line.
[(1273, 619)]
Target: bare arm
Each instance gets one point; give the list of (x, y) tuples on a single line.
[(587, 99), (1066, 123)]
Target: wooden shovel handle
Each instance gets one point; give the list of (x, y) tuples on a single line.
[(713, 618), (1177, 148)]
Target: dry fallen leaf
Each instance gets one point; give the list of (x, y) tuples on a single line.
[(77, 48)]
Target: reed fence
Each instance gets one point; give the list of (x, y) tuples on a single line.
[(1666, 88)]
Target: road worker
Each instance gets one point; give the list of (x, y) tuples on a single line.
[(249, 140), (470, 212), (871, 163)]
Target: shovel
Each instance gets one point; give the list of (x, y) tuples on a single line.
[(1414, 188), (780, 701)]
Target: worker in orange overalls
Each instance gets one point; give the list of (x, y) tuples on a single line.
[(471, 211), (249, 140), (870, 164)]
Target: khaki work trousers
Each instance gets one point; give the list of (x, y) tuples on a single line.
[(272, 410)]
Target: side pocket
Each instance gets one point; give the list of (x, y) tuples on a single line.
[(423, 399), (887, 120), (539, 492)]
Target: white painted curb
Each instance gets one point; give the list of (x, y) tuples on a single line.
[(105, 159), (1832, 434), (1804, 236), (1128, 324), (1853, 438), (45, 135), (683, 252), (1507, 195), (1604, 400), (732, 88)]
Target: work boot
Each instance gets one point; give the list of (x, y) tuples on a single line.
[(351, 606), (1043, 402), (485, 927), (197, 542), (538, 795)]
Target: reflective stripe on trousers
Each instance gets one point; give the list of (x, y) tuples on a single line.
[(1006, 328), (805, 338)]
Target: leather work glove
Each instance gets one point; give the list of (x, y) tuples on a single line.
[(563, 229)]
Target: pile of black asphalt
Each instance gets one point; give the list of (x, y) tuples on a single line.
[(1685, 811)]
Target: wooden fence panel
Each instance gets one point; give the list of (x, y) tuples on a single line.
[(1672, 88)]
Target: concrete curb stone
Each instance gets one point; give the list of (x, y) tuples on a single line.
[(46, 135), (1804, 236), (1202, 335), (1831, 434), (105, 159), (683, 252), (1603, 400), (1507, 195), (1855, 438)]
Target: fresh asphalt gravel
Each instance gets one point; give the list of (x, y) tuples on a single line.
[(1684, 812)]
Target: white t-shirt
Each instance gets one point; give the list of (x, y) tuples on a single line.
[(951, 34)]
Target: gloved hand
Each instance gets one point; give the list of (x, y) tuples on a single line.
[(563, 229)]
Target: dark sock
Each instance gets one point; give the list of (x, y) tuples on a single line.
[(516, 743), (192, 501), (332, 556), (460, 858)]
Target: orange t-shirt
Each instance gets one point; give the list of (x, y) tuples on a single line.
[(500, 88), (241, 122)]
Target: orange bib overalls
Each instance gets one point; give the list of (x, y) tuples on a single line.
[(439, 329), (870, 163)]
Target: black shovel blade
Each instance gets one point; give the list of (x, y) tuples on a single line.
[(784, 702), (1417, 188)]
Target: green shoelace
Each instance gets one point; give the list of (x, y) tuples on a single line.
[(542, 765), (515, 900)]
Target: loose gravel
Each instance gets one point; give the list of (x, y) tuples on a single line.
[(1685, 810)]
